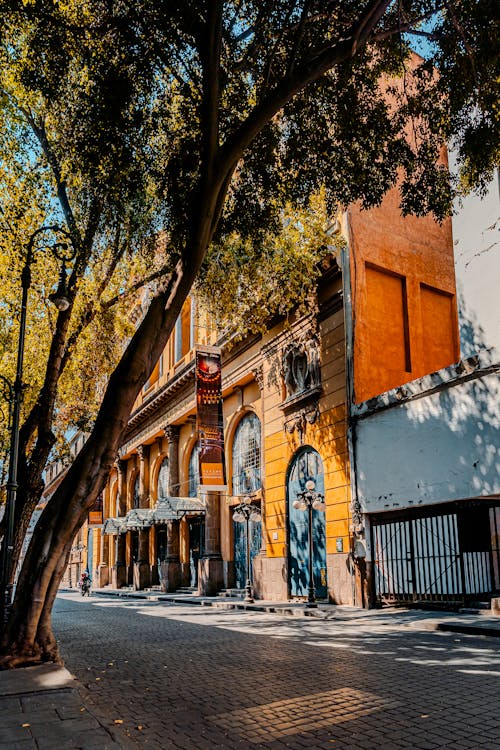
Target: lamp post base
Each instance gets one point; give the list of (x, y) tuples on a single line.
[(248, 592), (311, 597)]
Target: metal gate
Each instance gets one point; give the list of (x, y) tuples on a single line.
[(439, 556)]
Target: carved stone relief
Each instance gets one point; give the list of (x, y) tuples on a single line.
[(298, 422), (301, 370)]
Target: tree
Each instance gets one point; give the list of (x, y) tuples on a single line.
[(205, 120)]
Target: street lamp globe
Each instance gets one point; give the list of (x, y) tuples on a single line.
[(59, 298)]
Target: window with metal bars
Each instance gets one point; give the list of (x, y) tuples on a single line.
[(163, 477), (194, 471), (137, 496), (246, 456)]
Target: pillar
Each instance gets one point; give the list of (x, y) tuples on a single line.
[(104, 566), (171, 567), (142, 570), (184, 552), (119, 572), (211, 572)]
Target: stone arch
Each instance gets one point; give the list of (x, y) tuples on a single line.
[(155, 473), (133, 495)]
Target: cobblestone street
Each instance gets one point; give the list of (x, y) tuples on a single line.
[(171, 676)]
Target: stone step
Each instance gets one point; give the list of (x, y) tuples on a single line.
[(234, 593), (476, 608)]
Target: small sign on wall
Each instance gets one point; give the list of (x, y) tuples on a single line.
[(339, 544)]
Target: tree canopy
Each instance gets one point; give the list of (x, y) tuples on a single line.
[(158, 131)]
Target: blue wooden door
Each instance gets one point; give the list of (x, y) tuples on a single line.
[(306, 465), (240, 548)]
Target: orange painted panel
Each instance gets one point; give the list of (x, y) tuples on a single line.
[(438, 313), (387, 326), (391, 258)]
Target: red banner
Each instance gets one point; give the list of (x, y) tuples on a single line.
[(96, 513), (210, 419)]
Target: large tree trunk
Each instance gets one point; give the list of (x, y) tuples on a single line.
[(28, 637)]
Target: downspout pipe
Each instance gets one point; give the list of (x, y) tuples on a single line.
[(349, 327)]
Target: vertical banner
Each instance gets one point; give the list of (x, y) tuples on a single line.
[(96, 513), (209, 419)]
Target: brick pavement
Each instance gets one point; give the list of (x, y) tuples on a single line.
[(189, 677), (42, 709)]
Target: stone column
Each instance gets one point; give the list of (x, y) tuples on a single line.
[(119, 572), (171, 567), (142, 570), (210, 570)]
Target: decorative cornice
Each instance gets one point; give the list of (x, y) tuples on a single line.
[(166, 392)]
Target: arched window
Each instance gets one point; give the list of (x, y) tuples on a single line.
[(194, 471), (246, 456), (163, 479), (137, 496)]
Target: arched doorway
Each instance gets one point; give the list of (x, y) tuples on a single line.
[(306, 465)]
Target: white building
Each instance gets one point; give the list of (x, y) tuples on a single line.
[(427, 460)]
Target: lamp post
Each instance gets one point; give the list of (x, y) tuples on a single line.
[(308, 500), (64, 253), (244, 513)]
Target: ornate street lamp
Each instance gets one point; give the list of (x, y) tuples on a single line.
[(244, 513), (64, 252), (309, 500)]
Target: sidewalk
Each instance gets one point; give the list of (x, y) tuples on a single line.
[(483, 623), (41, 707)]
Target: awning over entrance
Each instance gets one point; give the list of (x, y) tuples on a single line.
[(139, 518), (115, 526), (173, 508), (166, 509)]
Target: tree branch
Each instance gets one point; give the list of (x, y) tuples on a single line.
[(301, 27), (461, 32), (62, 193), (309, 72)]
